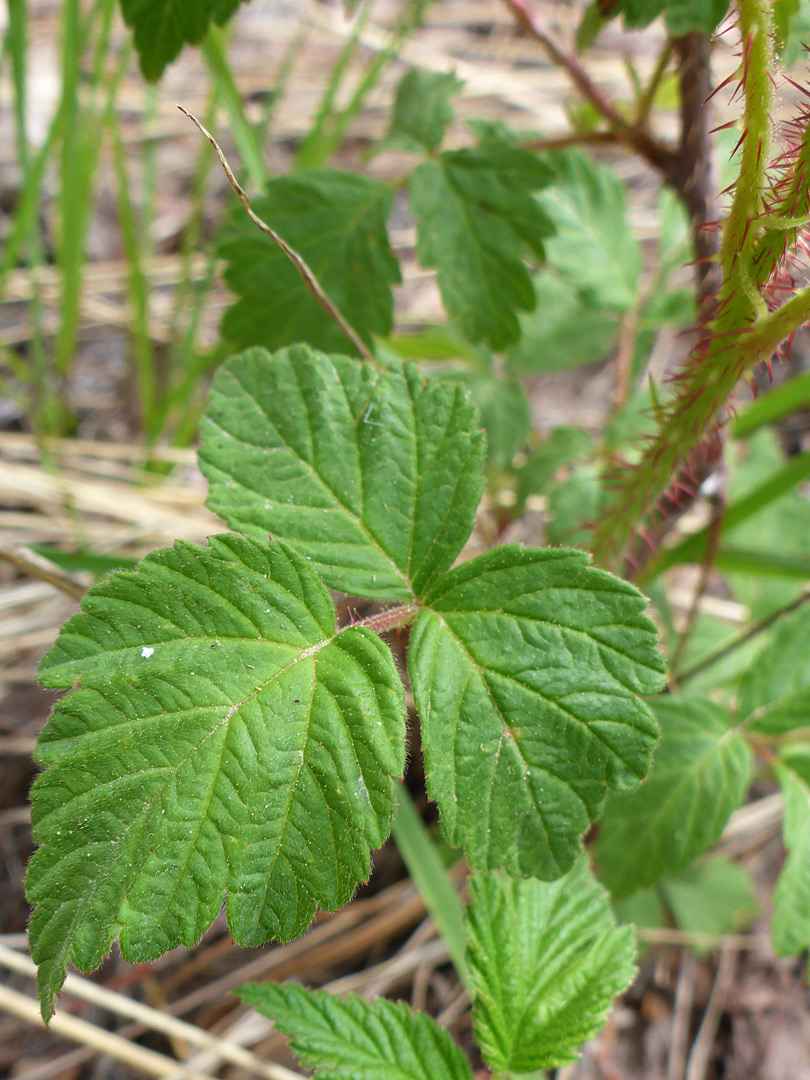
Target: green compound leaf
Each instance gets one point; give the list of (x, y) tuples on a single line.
[(593, 247), (222, 737), (775, 693), (422, 110), (475, 215), (790, 925), (162, 29), (353, 1039), (336, 222), (525, 671), (546, 962), (374, 476), (700, 775)]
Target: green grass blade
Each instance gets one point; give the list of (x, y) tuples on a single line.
[(294, 50), (244, 133), (771, 564), (329, 141), (81, 145), (92, 561), (430, 877), (693, 548), (315, 150), (138, 288), (781, 401), (16, 42)]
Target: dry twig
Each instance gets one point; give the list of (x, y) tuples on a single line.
[(307, 276)]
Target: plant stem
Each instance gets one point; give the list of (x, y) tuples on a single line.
[(384, 621), (37, 566), (751, 632), (638, 137), (742, 333), (647, 99)]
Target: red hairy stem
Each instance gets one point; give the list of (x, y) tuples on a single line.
[(384, 621), (740, 333)]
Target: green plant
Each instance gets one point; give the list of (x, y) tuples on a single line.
[(222, 735)]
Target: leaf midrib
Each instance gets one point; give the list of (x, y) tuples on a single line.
[(84, 903), (283, 444)]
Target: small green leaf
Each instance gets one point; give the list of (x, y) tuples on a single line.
[(562, 446), (505, 417), (790, 925), (714, 897), (353, 1039), (682, 16), (699, 776), (475, 216), (775, 693), (374, 476), (525, 670), (593, 246), (336, 222), (573, 505), (422, 110), (566, 330), (546, 961), (791, 20), (590, 26), (162, 29), (221, 738), (643, 909)]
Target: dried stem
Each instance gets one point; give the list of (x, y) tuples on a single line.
[(698, 1063), (307, 276), (39, 567), (637, 136)]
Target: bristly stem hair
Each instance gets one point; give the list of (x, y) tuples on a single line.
[(744, 328)]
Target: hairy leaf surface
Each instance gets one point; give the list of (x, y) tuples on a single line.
[(221, 737), (790, 925), (525, 668), (162, 29), (336, 222), (475, 215), (352, 1039), (700, 775), (546, 961), (374, 476)]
